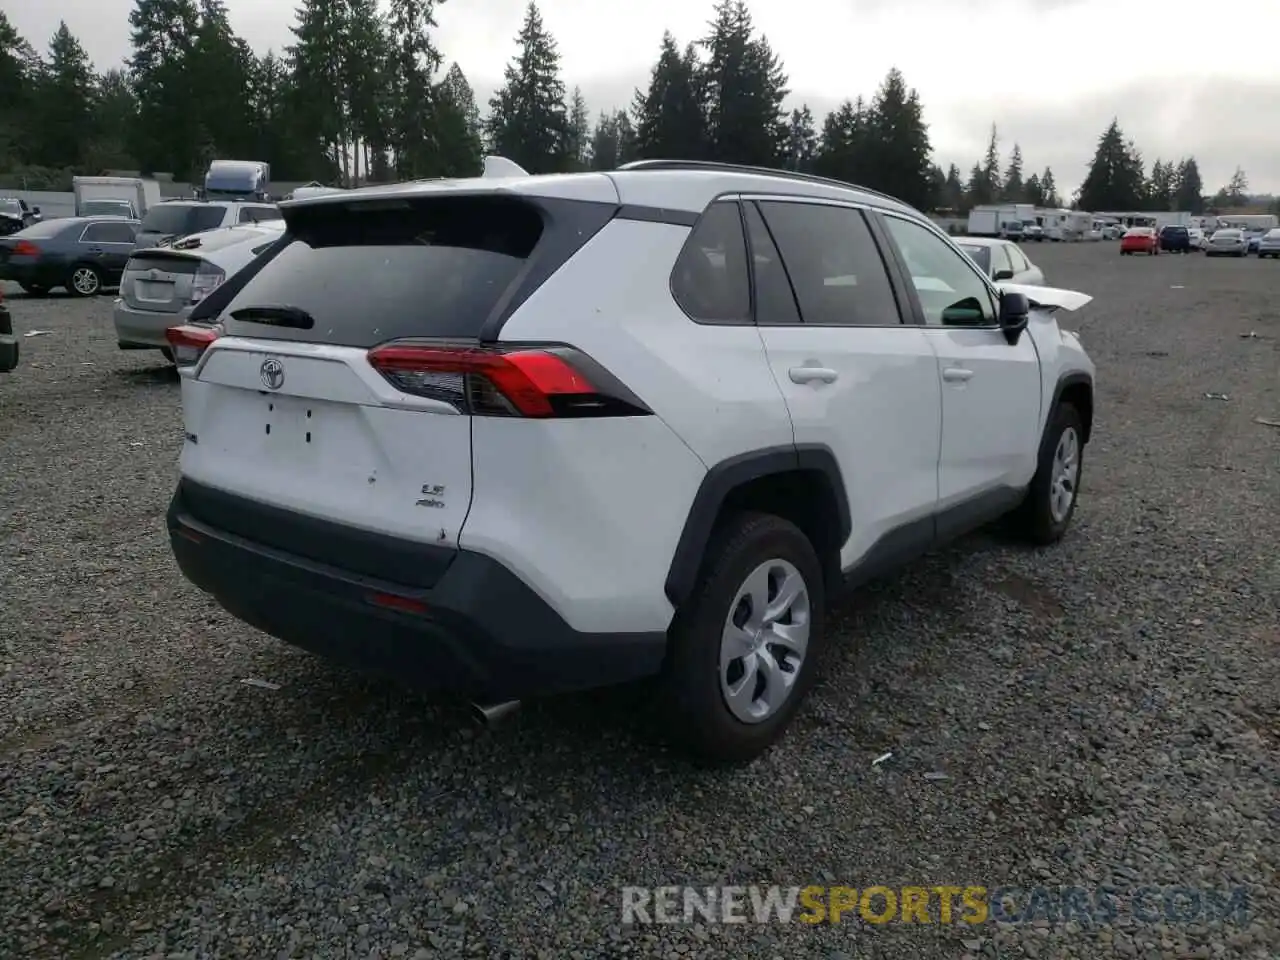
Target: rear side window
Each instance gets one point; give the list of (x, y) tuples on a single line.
[(834, 264), (181, 219), (375, 271), (710, 280), (109, 233), (775, 300)]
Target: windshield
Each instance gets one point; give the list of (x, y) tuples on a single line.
[(1137, 232), (1227, 234), (106, 208), (981, 255), (10, 206), (174, 219)]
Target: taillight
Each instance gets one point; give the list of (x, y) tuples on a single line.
[(25, 248), (189, 342), (206, 280), (536, 382)]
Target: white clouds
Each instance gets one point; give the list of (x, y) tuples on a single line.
[(1034, 67)]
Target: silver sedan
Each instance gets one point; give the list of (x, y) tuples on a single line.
[(1002, 261)]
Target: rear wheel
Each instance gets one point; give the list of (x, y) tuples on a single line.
[(743, 649), (84, 281), (168, 355)]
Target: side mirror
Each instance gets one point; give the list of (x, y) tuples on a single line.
[(965, 313), (36, 211), (1015, 311), (1003, 275)]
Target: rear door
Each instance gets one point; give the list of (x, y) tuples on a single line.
[(109, 245), (286, 407), (856, 378)]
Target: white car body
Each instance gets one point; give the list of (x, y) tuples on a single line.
[(1002, 260), (159, 287), (1227, 242), (1197, 238), (512, 474), (1269, 245)]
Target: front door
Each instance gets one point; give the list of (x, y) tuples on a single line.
[(990, 388)]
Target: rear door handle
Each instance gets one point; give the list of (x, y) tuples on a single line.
[(812, 375), (956, 374)]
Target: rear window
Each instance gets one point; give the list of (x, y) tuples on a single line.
[(47, 229), (375, 271), (172, 218)]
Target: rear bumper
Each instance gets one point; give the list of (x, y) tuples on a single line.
[(31, 274), (144, 329), (483, 633)]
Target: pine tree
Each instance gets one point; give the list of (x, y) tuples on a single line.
[(1049, 190), (991, 183), (898, 144), (843, 149), (802, 141), (414, 60), (528, 121), (669, 114), (165, 134), (1033, 191), (978, 189), (1237, 189), (366, 75), (953, 189), (1014, 188), (64, 96), (1115, 179), (456, 134), (578, 144), (1160, 187), (1188, 193), (744, 87), (315, 91)]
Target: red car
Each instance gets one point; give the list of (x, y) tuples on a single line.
[(1140, 240)]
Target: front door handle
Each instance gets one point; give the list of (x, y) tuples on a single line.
[(812, 375), (956, 374)]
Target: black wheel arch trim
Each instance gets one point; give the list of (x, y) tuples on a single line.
[(728, 475), (1078, 377)]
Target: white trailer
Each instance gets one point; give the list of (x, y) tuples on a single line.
[(984, 222), (114, 196), (1249, 221)]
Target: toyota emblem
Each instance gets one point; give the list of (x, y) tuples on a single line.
[(272, 373)]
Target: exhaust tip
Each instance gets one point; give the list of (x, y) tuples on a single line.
[(491, 714)]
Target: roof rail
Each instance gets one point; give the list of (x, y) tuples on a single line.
[(745, 168)]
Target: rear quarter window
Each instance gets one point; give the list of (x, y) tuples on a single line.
[(369, 272), (183, 218)]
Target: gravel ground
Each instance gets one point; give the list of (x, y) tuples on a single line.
[(1107, 711)]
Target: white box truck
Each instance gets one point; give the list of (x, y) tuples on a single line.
[(129, 197)]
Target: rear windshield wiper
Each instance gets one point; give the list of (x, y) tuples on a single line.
[(276, 316)]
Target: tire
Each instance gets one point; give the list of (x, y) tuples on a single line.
[(693, 702), (1038, 520), (84, 281), (33, 289), (167, 352)]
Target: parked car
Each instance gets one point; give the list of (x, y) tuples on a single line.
[(1013, 231), (174, 219), (1197, 238), (1269, 245), (1113, 231), (1001, 260), (8, 342), (1227, 242), (161, 285), (363, 413), (1175, 238), (1033, 231), (1252, 237), (1139, 240), (16, 214), (83, 255)]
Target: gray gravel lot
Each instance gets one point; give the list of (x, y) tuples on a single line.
[(1107, 711)]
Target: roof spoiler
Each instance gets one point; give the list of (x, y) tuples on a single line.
[(495, 167)]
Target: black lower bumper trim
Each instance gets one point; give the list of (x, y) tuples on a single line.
[(481, 631)]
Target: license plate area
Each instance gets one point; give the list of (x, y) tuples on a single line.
[(156, 291), (292, 425)]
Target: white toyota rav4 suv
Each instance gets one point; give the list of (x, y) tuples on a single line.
[(520, 435)]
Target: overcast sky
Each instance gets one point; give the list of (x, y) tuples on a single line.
[(1035, 68)]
